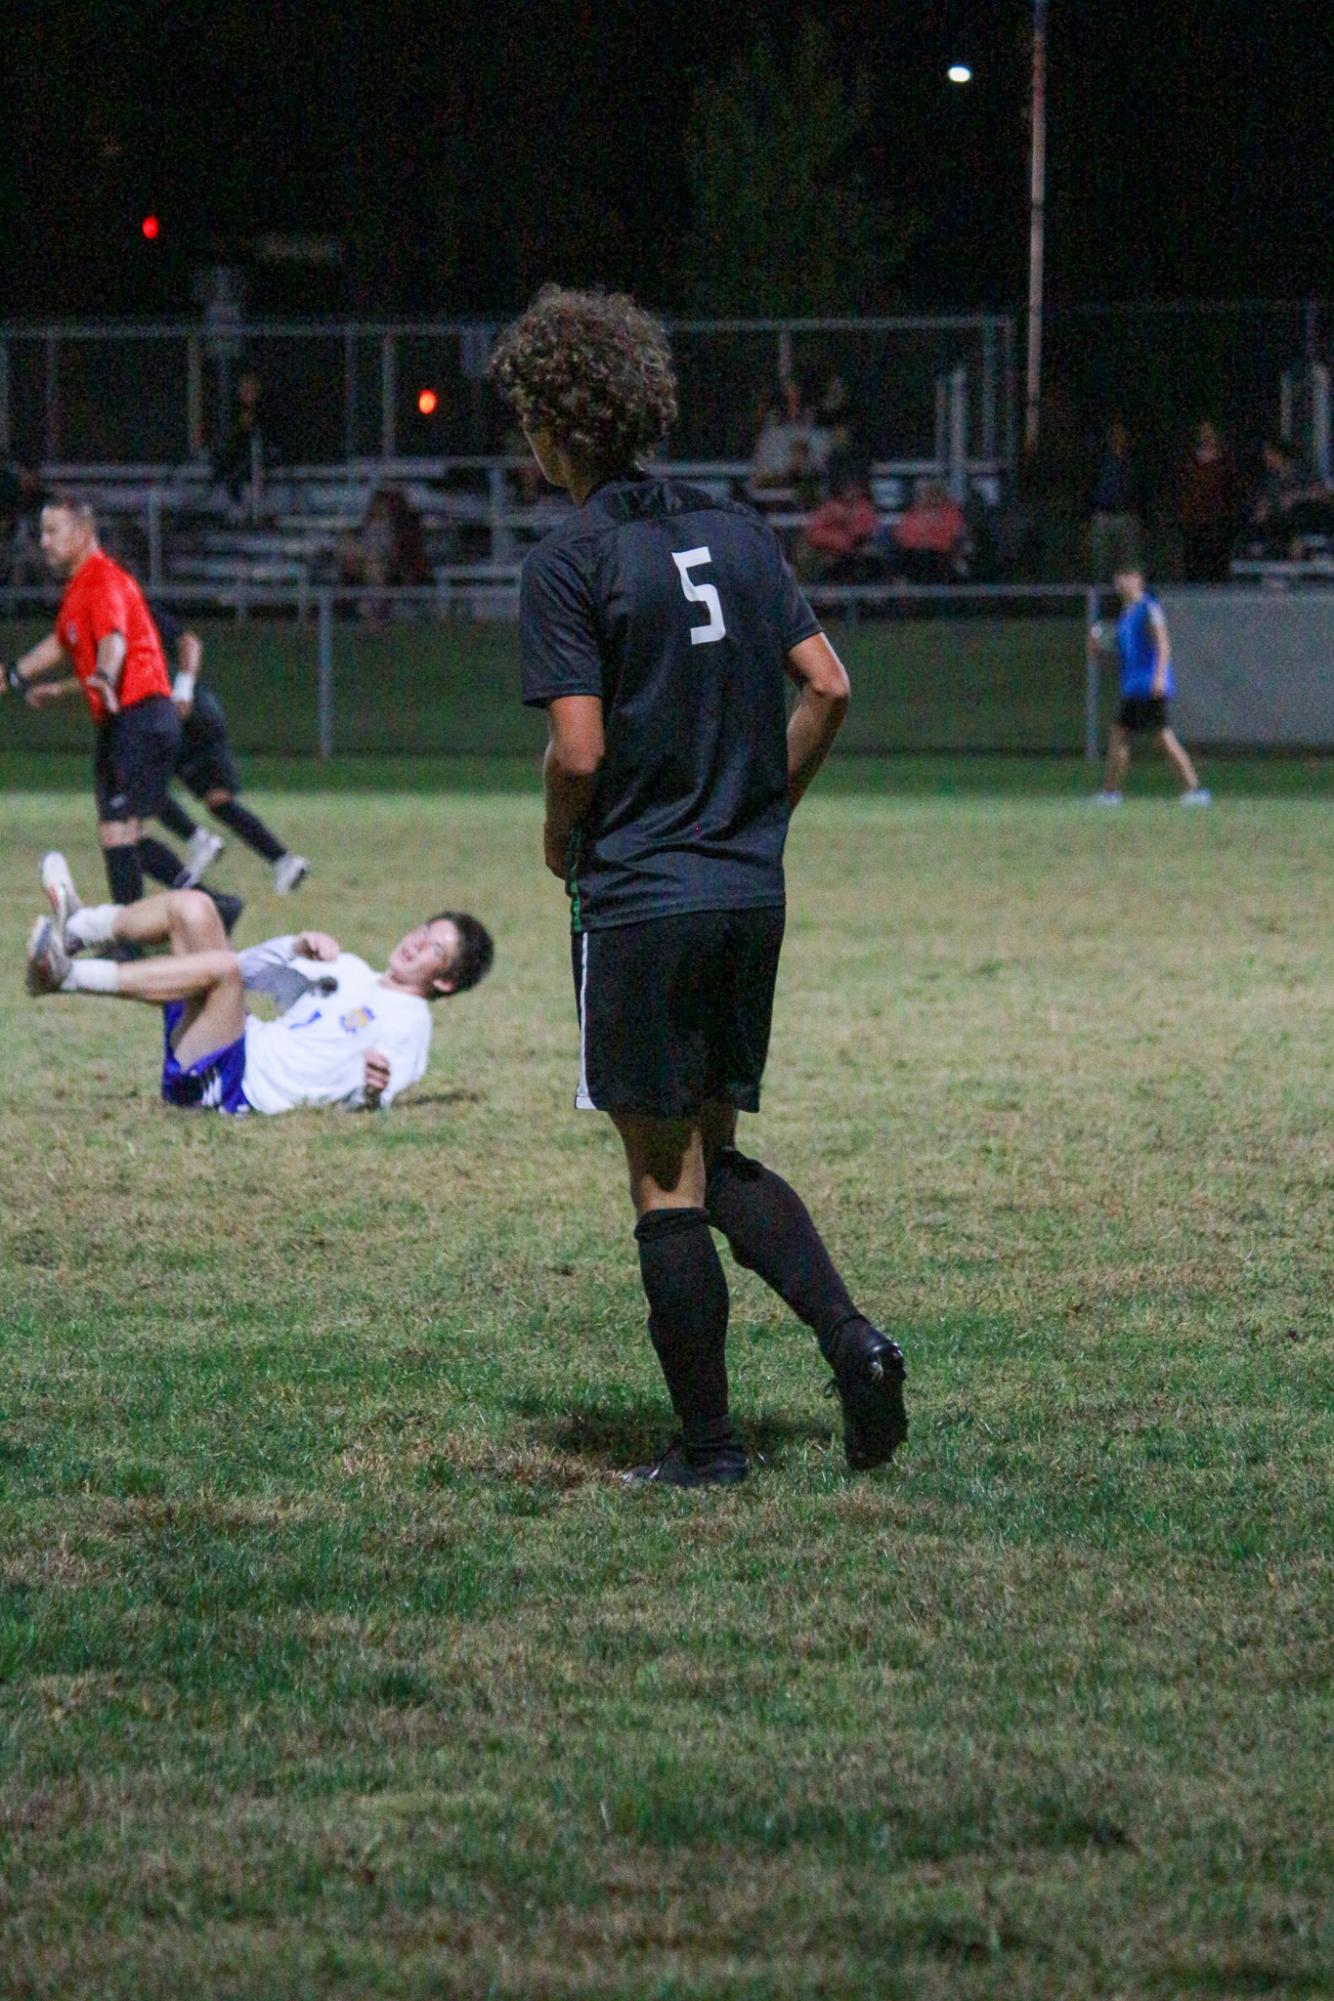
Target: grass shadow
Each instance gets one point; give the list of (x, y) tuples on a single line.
[(616, 1435)]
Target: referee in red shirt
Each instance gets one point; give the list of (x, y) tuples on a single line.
[(104, 630)]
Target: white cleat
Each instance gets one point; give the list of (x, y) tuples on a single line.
[(48, 961), (1107, 799), (59, 886), (202, 850), (288, 871), (1197, 797)]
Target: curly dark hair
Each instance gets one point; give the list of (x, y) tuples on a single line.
[(593, 369)]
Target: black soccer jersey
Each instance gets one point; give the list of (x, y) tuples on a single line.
[(679, 611)]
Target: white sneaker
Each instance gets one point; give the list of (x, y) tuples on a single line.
[(202, 850), (1107, 799), (288, 871), (59, 886), (1199, 797), (48, 961)]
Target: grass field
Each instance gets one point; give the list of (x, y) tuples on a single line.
[(923, 683), (333, 1660)]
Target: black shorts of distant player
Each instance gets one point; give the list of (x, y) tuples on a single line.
[(675, 1013), (1138, 713), (134, 755), (205, 763)]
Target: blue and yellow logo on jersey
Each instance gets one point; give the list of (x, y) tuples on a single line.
[(356, 1019)]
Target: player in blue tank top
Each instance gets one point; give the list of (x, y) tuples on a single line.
[(1144, 654)]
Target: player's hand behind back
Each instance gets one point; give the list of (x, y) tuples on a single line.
[(316, 945)]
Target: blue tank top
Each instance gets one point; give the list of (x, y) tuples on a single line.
[(1138, 650)]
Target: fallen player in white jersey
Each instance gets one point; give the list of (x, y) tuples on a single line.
[(344, 1035)]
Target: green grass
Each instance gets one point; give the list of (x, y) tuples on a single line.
[(334, 1662), (957, 683)]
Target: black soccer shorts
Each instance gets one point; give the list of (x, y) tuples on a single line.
[(1143, 712), (675, 1012), (205, 761), (134, 755)]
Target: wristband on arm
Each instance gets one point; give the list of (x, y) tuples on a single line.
[(183, 687)]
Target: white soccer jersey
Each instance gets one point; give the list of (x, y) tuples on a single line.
[(315, 1053)]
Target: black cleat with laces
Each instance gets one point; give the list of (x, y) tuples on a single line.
[(681, 1466), (868, 1381)]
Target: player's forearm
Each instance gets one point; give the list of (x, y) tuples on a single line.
[(41, 659), (110, 658), (814, 723), (569, 795)]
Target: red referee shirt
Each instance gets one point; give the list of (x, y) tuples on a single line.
[(101, 598)]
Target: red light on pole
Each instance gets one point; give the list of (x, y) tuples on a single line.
[(151, 228), (428, 402)]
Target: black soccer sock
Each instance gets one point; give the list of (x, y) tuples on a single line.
[(687, 1300), (125, 873), (770, 1232), (160, 861), (176, 820), (250, 828)]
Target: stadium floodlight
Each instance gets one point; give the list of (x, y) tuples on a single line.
[(959, 73)]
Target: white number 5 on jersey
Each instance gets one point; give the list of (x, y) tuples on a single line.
[(705, 594)]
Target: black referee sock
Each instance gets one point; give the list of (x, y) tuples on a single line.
[(250, 828), (125, 874), (176, 820), (687, 1299), (159, 861), (770, 1232)]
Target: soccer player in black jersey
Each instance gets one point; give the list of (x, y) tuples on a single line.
[(657, 627)]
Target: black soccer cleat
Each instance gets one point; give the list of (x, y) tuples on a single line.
[(229, 908), (720, 1466), (868, 1381)]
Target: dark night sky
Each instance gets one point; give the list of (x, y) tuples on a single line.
[(463, 151)]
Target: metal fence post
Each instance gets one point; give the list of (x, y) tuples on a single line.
[(349, 394), (4, 395), (958, 434), (194, 396), (388, 396), (51, 414), (155, 538), (324, 683), (1092, 660)]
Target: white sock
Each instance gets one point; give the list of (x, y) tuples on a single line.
[(93, 925), (92, 976)]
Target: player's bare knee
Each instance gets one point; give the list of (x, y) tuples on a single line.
[(218, 796), (195, 923)]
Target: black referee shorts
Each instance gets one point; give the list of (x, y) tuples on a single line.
[(134, 755), (204, 763), (674, 1013), (1143, 712)]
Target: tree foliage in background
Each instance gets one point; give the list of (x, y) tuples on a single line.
[(783, 222)]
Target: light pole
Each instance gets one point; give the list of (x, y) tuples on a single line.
[(1036, 219)]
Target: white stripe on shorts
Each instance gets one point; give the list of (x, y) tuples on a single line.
[(582, 1100)]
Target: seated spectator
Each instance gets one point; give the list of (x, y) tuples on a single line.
[(1116, 504), (783, 448), (239, 462), (1206, 506), (929, 541), (388, 552), (1280, 481), (838, 445), (838, 540)]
